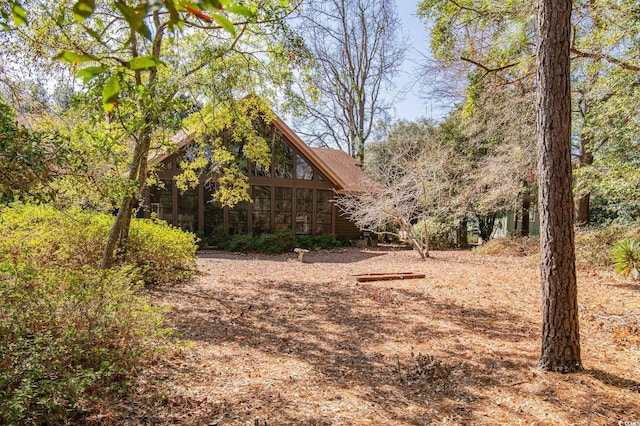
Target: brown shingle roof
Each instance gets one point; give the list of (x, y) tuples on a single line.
[(347, 169)]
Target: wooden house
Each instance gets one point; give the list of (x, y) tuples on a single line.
[(295, 192)]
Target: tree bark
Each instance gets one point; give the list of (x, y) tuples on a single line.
[(560, 329)]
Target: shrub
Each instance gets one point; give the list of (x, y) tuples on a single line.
[(279, 242), (626, 257), (163, 253), (593, 246), (67, 338), (320, 242), (441, 234), (510, 246), (75, 238)]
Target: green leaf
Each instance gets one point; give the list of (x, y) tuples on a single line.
[(110, 93), (225, 23), (73, 58), (135, 19), (19, 15), (211, 4), (83, 9), (238, 9), (144, 62), (86, 74)]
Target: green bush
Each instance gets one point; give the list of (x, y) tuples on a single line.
[(441, 234), (75, 238), (279, 242), (68, 338), (626, 257), (320, 242)]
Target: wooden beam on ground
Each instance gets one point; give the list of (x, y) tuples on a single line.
[(386, 276)]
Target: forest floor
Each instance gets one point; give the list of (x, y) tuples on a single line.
[(271, 341)]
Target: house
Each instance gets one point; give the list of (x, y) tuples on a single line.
[(511, 223), (295, 192)]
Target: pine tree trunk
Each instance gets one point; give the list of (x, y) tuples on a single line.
[(560, 330)]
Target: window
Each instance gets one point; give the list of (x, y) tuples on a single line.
[(161, 200), (303, 169), (283, 208), (261, 209), (238, 219), (304, 210), (282, 158), (324, 209), (213, 212), (188, 210)]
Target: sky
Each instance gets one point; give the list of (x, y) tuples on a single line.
[(415, 105)]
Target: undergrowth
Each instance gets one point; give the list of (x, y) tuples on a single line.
[(270, 243), (72, 335), (593, 245)]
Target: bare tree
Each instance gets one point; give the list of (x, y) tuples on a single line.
[(357, 50), (410, 168), (560, 330)]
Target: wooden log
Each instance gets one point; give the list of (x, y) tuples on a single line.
[(384, 276)]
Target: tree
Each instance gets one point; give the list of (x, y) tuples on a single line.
[(29, 159), (411, 166), (357, 51), (139, 60), (493, 41), (560, 329)]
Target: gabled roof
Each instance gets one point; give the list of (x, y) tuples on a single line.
[(338, 167), (348, 169)]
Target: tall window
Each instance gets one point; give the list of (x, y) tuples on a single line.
[(238, 218), (303, 169), (283, 208), (282, 158), (304, 210), (323, 211), (261, 209), (188, 210), (213, 212), (161, 200)]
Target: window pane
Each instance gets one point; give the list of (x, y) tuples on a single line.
[(238, 219), (304, 210), (324, 210), (188, 210), (213, 212), (161, 200), (303, 169), (261, 209), (284, 206), (282, 158)]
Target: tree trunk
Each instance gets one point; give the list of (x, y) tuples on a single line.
[(585, 158), (583, 210), (526, 205), (486, 224), (461, 234), (560, 330)]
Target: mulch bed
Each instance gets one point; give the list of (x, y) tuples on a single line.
[(267, 340)]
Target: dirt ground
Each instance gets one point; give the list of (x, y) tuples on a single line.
[(271, 341)]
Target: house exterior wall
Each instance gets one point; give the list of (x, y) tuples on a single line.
[(290, 194), (511, 223)]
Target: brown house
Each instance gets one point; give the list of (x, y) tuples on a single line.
[(294, 193)]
